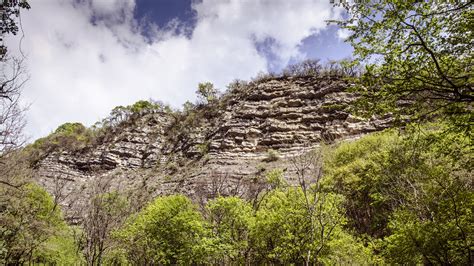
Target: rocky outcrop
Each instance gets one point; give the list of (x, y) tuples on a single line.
[(223, 154)]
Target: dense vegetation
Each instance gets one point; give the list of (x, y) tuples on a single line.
[(390, 197), (417, 58), (401, 196), (33, 229)]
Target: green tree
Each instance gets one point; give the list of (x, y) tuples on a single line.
[(357, 171), (206, 92), (168, 231), (418, 58), (8, 21), (67, 137), (104, 213), (413, 191), (285, 234), (230, 219), (143, 105), (32, 229)]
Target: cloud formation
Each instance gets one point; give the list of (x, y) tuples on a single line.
[(85, 57)]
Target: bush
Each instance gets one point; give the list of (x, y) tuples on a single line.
[(67, 137), (272, 156), (203, 148), (309, 67), (206, 92), (275, 179)]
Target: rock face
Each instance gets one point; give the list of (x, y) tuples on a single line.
[(223, 154)]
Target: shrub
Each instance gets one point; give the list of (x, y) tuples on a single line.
[(272, 156), (67, 137), (203, 148), (309, 67), (275, 179), (206, 92), (70, 129)]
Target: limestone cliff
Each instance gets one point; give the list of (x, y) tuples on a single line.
[(222, 151)]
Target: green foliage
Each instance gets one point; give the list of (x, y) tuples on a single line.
[(418, 58), (67, 137), (281, 230), (334, 107), (75, 136), (9, 20), (122, 114), (203, 148), (169, 231), (141, 105), (32, 228), (60, 249), (188, 107), (356, 169), (276, 179), (413, 191), (116, 256), (70, 129), (111, 204), (286, 232), (206, 92), (106, 212), (230, 220), (271, 156)]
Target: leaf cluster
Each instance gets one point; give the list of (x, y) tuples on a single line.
[(417, 57)]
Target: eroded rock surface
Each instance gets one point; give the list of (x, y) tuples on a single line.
[(224, 154)]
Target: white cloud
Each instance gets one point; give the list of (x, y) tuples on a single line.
[(343, 34), (112, 7), (81, 68)]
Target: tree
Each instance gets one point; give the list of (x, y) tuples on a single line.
[(284, 233), (105, 213), (412, 191), (356, 170), (32, 230), (418, 58), (206, 92), (12, 79), (308, 67), (169, 230), (322, 220), (10, 11), (231, 219)]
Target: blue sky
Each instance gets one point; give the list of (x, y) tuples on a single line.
[(162, 11), (324, 46), (85, 57)]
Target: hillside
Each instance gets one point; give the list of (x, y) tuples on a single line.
[(219, 148), (364, 157)]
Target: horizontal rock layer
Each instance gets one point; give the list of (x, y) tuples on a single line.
[(222, 155)]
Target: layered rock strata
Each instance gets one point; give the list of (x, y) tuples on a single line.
[(225, 154)]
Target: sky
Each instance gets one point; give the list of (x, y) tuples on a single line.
[(84, 57)]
